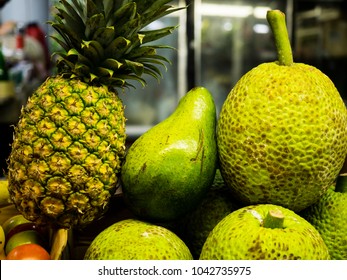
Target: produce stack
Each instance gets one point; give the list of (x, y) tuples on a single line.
[(21, 239), (274, 153)]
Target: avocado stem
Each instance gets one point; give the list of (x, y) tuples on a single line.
[(277, 22), (341, 183), (274, 219)]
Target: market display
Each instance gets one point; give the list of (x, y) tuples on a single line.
[(261, 181)]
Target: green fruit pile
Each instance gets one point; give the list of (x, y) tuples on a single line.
[(279, 144), (217, 204), (258, 183)]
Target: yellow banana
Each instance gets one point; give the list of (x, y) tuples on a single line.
[(2, 239), (4, 194), (2, 244), (2, 255), (7, 212), (59, 242)]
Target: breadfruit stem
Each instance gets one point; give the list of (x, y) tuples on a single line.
[(274, 219), (341, 183), (277, 22)]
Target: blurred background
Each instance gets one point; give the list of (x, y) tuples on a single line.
[(216, 43)]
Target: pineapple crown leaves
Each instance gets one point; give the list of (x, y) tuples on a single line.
[(103, 41)]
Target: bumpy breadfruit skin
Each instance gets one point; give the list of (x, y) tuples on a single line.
[(242, 236), (329, 216), (137, 240), (282, 135), (216, 204)]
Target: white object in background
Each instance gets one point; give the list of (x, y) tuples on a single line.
[(25, 11)]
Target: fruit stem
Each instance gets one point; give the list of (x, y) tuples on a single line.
[(341, 183), (274, 219), (277, 22)]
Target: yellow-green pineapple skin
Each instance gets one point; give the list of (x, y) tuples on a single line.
[(133, 239), (66, 153), (329, 216), (241, 236), (282, 135), (70, 140)]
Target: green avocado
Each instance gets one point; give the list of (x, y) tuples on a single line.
[(169, 168)]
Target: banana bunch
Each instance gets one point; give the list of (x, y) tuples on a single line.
[(7, 212), (4, 194), (2, 244), (7, 209)]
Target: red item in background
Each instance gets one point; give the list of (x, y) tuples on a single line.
[(34, 30), (20, 41)]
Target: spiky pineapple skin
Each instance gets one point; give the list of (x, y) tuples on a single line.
[(67, 152)]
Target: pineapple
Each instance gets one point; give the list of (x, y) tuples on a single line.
[(69, 143)]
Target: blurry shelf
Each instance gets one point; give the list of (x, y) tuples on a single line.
[(134, 131)]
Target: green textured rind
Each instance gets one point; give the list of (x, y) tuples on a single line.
[(282, 135), (241, 236), (216, 205), (329, 216), (137, 240), (169, 168), (67, 153)]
